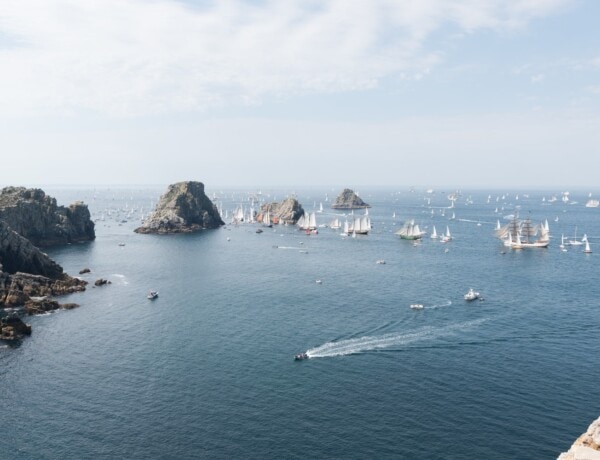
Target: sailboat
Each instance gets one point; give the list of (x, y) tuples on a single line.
[(587, 249), (361, 225), (447, 237), (575, 241), (320, 207), (518, 234), (266, 220), (335, 224), (433, 235), (410, 231)]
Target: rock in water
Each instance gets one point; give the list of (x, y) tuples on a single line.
[(25, 271), (36, 216), (288, 211), (587, 446), (183, 208), (349, 200)]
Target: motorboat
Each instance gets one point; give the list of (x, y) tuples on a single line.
[(472, 295), (153, 295), (380, 262), (417, 306), (300, 356)]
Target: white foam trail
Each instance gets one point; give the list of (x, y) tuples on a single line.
[(440, 305), (368, 343), (123, 278)]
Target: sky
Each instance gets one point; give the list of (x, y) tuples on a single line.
[(467, 93)]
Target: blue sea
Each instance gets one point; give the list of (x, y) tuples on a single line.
[(206, 370)]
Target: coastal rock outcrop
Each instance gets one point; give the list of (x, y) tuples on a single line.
[(587, 446), (13, 328), (287, 211), (36, 216), (25, 271), (184, 207), (347, 199)]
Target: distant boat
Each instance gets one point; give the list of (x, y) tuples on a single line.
[(519, 234), (472, 294), (320, 207), (433, 235), (575, 241), (447, 236), (592, 203), (335, 224), (361, 225), (152, 295), (417, 306), (380, 262), (307, 222), (300, 356), (587, 249), (410, 231)]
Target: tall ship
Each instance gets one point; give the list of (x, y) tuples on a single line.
[(410, 231), (307, 222), (522, 234), (361, 225)]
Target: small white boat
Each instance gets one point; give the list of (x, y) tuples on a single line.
[(472, 295), (152, 295), (417, 306), (319, 282), (380, 262), (587, 249)]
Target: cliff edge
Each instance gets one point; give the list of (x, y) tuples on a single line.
[(587, 446), (36, 216), (183, 208)]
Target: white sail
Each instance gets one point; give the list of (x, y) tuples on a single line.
[(320, 207), (267, 218), (433, 234), (312, 223), (301, 221), (346, 227)]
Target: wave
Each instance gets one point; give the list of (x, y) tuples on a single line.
[(378, 342)]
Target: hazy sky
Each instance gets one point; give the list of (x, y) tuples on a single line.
[(257, 93)]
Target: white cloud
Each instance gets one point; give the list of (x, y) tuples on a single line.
[(130, 57)]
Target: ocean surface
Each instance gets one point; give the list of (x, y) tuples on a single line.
[(207, 371)]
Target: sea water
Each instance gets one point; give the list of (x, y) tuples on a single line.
[(206, 370)]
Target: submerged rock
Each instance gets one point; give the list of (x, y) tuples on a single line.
[(184, 207), (349, 200), (36, 216)]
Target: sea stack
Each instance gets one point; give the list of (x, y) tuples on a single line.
[(288, 211), (36, 216), (183, 208), (349, 200)]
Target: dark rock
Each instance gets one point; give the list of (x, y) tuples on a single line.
[(13, 328), (100, 282), (19, 254), (288, 211), (84, 271), (17, 289), (37, 217), (349, 200), (184, 207)]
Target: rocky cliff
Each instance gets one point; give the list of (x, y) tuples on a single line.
[(288, 211), (182, 208), (36, 216), (349, 200), (587, 446), (26, 272)]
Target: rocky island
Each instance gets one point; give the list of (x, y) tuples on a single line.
[(183, 208), (347, 199), (287, 211), (36, 216), (28, 277)]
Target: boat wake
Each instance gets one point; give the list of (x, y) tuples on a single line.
[(379, 342), (121, 278), (447, 303)]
